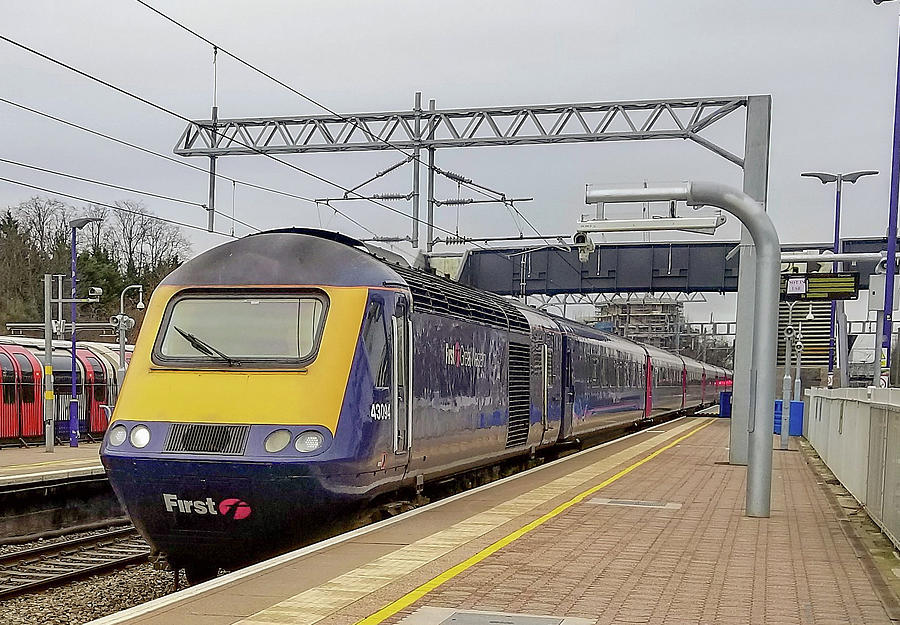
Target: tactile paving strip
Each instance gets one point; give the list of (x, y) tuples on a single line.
[(313, 605)]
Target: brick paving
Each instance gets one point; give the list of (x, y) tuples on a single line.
[(703, 563)]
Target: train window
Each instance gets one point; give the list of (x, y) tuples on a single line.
[(28, 390), (7, 379), (374, 334), (236, 328)]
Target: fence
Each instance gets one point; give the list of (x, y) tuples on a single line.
[(856, 432)]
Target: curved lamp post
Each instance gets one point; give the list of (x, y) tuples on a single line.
[(121, 326), (765, 326)]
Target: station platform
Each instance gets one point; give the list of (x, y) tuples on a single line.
[(29, 465), (645, 529)]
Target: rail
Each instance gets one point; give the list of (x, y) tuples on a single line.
[(49, 565)]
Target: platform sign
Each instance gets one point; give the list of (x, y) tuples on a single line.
[(819, 286)]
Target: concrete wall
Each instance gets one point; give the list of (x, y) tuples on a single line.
[(856, 432)]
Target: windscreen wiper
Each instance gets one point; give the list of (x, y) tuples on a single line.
[(205, 348)]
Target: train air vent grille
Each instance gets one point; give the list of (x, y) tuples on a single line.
[(201, 438), (519, 395), (432, 294)]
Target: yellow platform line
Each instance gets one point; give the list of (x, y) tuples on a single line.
[(314, 604), (71, 461), (411, 597)]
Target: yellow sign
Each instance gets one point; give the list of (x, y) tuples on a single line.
[(819, 286)]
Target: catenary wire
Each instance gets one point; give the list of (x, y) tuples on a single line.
[(112, 206), (163, 109), (216, 47), (141, 148), (121, 188)]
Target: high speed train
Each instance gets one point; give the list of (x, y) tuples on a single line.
[(287, 377)]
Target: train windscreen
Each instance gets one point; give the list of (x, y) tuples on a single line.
[(276, 328)]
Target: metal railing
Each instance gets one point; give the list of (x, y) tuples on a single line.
[(856, 432)]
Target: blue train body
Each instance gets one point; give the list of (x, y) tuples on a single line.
[(437, 379)]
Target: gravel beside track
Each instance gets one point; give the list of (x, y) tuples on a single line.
[(83, 600)]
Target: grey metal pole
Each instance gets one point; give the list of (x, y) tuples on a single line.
[(876, 355), (765, 330), (756, 175), (61, 328), (843, 343), (786, 387), (416, 161), (429, 228), (798, 348), (211, 204), (120, 378), (49, 400), (832, 351)]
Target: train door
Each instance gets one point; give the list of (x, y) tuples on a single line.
[(99, 397), (30, 394), (551, 387), (10, 415), (401, 378), (545, 388), (568, 388)]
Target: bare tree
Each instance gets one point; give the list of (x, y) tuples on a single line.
[(142, 243), (44, 221)]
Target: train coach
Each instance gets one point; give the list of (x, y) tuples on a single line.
[(22, 380), (283, 379)]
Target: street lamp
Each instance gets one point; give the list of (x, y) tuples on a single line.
[(887, 328), (121, 324), (75, 225), (838, 179)]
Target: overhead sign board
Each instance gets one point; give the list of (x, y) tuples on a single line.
[(819, 286)]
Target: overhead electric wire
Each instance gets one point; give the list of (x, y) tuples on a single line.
[(411, 155), (140, 148), (470, 184), (163, 109), (309, 99), (121, 188), (112, 206)]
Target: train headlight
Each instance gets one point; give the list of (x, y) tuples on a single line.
[(117, 435), (309, 441), (277, 440), (140, 436)]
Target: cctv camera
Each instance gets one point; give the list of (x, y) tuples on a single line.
[(95, 291), (584, 254), (789, 332), (140, 305), (798, 346), (580, 238)]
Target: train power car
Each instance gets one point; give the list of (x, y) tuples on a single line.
[(282, 379)]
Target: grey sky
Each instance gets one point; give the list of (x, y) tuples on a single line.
[(828, 64)]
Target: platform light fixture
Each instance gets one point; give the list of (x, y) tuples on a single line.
[(838, 179), (75, 225)]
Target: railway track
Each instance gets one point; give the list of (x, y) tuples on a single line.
[(49, 565)]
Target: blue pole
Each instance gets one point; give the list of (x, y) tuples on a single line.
[(834, 268), (73, 402), (887, 329)]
